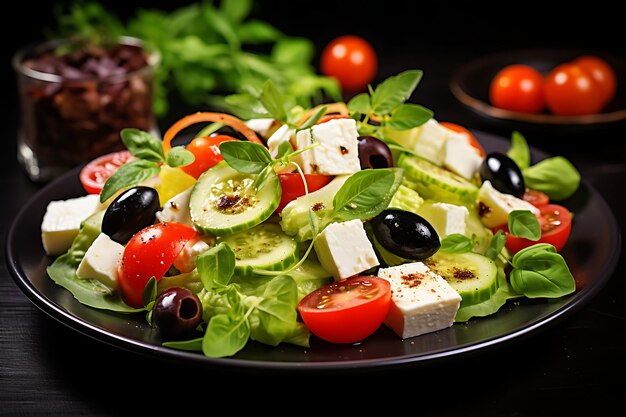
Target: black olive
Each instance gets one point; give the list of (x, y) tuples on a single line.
[(503, 173), (177, 312), (405, 234), (130, 212), (374, 153)]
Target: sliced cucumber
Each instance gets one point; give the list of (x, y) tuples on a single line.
[(431, 181), (264, 246), (473, 276), (226, 201)]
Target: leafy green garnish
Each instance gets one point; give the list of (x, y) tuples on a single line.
[(496, 245), (523, 223), (519, 152), (457, 243)]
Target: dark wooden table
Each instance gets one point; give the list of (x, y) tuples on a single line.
[(48, 368)]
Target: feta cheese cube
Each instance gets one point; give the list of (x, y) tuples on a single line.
[(61, 222), (186, 259), (101, 261), (421, 301), (344, 250), (460, 157), (494, 207), (430, 142), (282, 134), (261, 126), (176, 209), (448, 219), (338, 149)]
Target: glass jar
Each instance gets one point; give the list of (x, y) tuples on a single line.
[(75, 100)]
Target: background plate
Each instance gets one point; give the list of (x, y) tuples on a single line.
[(592, 254)]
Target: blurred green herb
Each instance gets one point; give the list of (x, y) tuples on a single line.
[(208, 51)]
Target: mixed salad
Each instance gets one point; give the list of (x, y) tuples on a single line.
[(330, 221)]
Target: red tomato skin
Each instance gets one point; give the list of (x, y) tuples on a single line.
[(556, 237), (351, 60), (472, 139), (518, 88), (293, 186), (96, 172), (536, 198), (572, 91), (207, 153), (150, 252), (602, 72), (350, 324), (329, 117)]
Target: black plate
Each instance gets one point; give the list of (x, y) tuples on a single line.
[(470, 85), (591, 253)]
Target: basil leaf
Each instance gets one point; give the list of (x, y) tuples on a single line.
[(523, 223), (284, 149), (247, 106), (273, 101), (257, 32), (313, 119), (366, 193), (555, 176), (236, 10), (127, 175), (360, 104), (394, 91), (519, 151), (225, 335), (248, 157), (539, 271), (178, 156), (266, 174), (193, 345), (496, 245), (142, 144), (216, 266), (274, 318), (408, 116), (149, 293), (456, 243), (293, 51)]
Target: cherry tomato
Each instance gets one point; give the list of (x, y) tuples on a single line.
[(347, 311), (518, 88), (602, 72), (556, 225), (328, 117), (97, 172), (150, 253), (472, 139), (207, 153), (536, 198), (351, 60), (572, 91), (293, 187)]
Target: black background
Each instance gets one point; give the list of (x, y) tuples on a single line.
[(48, 368)]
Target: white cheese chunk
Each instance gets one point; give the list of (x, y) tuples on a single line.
[(176, 209), (344, 250), (338, 149), (494, 207), (421, 301), (261, 126), (448, 219), (430, 142), (61, 222), (101, 261), (282, 134), (186, 259), (460, 157)]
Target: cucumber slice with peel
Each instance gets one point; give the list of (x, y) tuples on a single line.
[(264, 246), (472, 275), (225, 201), (436, 183)]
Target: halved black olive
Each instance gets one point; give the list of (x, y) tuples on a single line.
[(374, 153), (503, 173), (405, 234), (177, 312), (130, 212)]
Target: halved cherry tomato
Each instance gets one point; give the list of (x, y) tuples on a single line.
[(472, 139), (97, 172), (556, 225), (150, 253), (351, 60), (207, 153), (602, 72), (536, 198), (328, 117), (293, 186), (573, 91), (518, 88), (347, 311)]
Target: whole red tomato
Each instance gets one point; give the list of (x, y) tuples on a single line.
[(602, 72), (351, 60), (518, 88), (573, 91)]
